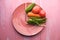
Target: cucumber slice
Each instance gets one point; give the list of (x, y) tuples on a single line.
[(29, 8)]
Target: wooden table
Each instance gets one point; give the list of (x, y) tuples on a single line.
[(51, 31)]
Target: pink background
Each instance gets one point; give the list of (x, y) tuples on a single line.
[(52, 30)]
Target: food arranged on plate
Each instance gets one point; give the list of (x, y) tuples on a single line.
[(29, 19), (36, 15)]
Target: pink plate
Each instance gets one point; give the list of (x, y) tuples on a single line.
[(20, 24)]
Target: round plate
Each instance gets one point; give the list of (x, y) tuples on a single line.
[(20, 24)]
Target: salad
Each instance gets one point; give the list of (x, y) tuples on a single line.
[(36, 15)]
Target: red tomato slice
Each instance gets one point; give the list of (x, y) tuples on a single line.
[(42, 13), (36, 9)]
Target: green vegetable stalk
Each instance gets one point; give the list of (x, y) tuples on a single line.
[(36, 21)]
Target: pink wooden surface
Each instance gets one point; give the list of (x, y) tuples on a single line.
[(52, 30)]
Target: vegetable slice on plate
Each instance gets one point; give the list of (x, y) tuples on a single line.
[(36, 9), (30, 14), (29, 8), (42, 13)]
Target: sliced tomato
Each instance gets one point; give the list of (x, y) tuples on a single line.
[(36, 9), (42, 13)]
